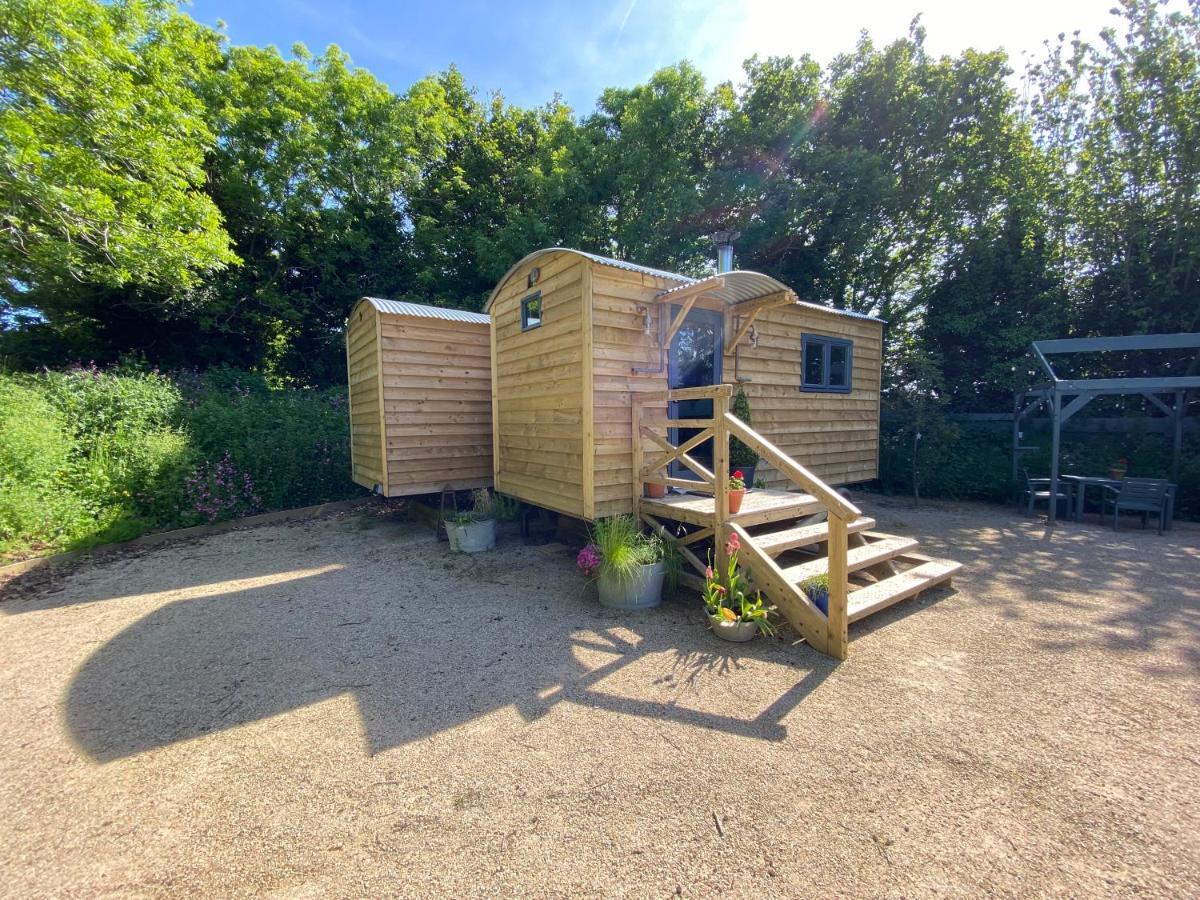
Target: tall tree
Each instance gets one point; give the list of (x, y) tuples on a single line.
[(103, 134), (1121, 120), (657, 144)]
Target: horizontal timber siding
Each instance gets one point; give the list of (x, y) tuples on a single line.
[(620, 343), (437, 396), (362, 373), (539, 387), (834, 435)]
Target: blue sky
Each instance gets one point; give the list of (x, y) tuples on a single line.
[(529, 50)]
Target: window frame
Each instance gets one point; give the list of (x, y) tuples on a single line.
[(826, 344), (541, 317)]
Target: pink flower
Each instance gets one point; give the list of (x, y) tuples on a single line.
[(588, 560), (733, 544), (708, 573)]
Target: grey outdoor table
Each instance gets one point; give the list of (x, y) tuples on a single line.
[(1080, 483)]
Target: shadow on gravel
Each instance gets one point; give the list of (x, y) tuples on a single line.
[(416, 665)]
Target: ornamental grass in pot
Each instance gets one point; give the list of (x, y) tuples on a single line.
[(630, 567), (733, 614), (474, 531)]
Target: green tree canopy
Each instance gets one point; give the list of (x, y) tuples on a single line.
[(103, 136)]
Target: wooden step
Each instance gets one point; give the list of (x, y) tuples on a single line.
[(882, 594), (775, 542), (858, 558), (758, 507)]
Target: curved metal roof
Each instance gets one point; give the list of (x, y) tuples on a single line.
[(602, 260), (739, 285), (404, 308), (735, 287)]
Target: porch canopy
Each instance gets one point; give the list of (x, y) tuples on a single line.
[(745, 294), (1167, 392)]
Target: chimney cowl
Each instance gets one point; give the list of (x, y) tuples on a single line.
[(723, 240)]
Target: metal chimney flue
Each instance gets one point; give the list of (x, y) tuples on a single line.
[(724, 244)]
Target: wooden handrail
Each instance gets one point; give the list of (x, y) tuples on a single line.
[(829, 498), (827, 632), (696, 393)]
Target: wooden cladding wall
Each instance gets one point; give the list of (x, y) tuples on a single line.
[(834, 435), (622, 339), (435, 425), (562, 390), (362, 372), (539, 380)]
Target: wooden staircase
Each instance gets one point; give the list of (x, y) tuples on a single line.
[(785, 537)]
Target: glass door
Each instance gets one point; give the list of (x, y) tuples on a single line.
[(694, 360)]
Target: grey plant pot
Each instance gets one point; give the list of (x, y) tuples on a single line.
[(643, 592), (474, 537), (737, 632)]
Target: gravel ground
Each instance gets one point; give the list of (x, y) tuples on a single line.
[(340, 708)]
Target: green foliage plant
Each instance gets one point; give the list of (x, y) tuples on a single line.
[(741, 453), (505, 508), (727, 596), (624, 548)]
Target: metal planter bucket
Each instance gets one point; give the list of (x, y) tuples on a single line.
[(474, 537), (643, 592)]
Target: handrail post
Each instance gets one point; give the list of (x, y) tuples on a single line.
[(720, 469), (637, 458), (837, 631)]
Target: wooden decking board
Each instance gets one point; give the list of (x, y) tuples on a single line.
[(777, 542), (857, 558), (899, 587), (758, 507)]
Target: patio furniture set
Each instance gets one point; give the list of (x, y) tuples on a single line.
[(1147, 497)]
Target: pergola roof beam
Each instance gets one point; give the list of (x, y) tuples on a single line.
[(1130, 385), (1125, 342)]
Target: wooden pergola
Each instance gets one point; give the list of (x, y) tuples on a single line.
[(1066, 397)]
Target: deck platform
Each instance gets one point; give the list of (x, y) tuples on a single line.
[(758, 507)]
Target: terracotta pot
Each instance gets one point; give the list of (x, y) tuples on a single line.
[(735, 500), (656, 490), (1117, 473)]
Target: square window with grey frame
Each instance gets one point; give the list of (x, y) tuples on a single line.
[(531, 311), (826, 364)]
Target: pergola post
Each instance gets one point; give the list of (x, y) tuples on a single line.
[(1177, 452), (1018, 396), (1056, 417)]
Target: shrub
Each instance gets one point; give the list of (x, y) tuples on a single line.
[(37, 507), (89, 456), (741, 453)]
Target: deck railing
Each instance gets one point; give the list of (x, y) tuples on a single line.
[(828, 631)]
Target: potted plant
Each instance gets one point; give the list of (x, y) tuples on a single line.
[(817, 589), (656, 491), (630, 567), (734, 616), (475, 530), (1117, 471), (741, 455), (737, 491)]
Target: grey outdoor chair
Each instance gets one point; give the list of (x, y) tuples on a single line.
[(1039, 489), (1147, 496)]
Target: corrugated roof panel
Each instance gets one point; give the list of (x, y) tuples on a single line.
[(745, 286), (404, 308), (741, 286), (634, 267)]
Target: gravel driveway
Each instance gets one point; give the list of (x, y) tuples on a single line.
[(340, 708)]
